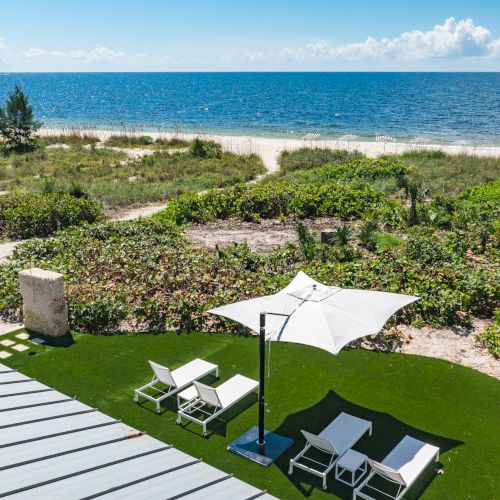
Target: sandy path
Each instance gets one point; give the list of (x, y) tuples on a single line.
[(6, 249)]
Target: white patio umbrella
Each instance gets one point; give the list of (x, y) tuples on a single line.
[(308, 312)]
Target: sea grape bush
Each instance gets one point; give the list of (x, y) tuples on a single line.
[(143, 275), (307, 158), (365, 169), (270, 200), (38, 215), (490, 336)]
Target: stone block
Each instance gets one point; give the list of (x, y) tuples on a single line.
[(45, 309), (326, 236)]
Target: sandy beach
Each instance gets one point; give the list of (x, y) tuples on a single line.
[(269, 148)]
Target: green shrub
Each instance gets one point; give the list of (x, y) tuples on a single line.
[(361, 169), (307, 158), (205, 149), (142, 274), (129, 141), (488, 193), (271, 200), (440, 173), (490, 336), (73, 138), (38, 215)]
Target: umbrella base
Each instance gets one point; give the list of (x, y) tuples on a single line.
[(246, 446)]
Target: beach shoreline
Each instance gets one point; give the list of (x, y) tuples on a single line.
[(269, 148)]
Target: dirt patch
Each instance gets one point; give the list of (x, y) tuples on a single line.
[(263, 236), (134, 213), (454, 344), (457, 344)]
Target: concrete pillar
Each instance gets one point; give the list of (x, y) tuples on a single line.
[(44, 306)]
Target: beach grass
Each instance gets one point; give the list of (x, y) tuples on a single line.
[(73, 138), (145, 141), (115, 180), (440, 173), (441, 403), (436, 171)]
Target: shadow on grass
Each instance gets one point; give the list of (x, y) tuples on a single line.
[(219, 425), (64, 341), (387, 433)]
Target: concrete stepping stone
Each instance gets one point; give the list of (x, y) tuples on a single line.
[(20, 347), (7, 342), (5, 354), (23, 336)]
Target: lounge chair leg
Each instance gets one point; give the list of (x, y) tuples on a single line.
[(290, 468), (324, 483)]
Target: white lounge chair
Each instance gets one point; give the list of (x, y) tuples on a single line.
[(212, 402), (333, 441), (401, 467), (175, 380)]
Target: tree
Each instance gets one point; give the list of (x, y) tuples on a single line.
[(17, 123)]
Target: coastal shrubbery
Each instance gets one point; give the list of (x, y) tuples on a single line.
[(361, 169), (272, 200), (72, 138), (138, 141), (306, 158), (38, 215), (332, 190), (443, 174), (435, 171), (115, 180), (490, 336), (142, 274)]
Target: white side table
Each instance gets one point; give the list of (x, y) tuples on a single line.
[(186, 397), (352, 462)]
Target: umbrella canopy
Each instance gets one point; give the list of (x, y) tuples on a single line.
[(326, 317)]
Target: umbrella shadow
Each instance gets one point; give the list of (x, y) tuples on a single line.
[(387, 433)]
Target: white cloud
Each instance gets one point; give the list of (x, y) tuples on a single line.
[(99, 54), (3, 45), (453, 39)]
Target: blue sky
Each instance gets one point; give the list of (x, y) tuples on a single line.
[(256, 35)]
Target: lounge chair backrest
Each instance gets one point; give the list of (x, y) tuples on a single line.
[(320, 443), (208, 394), (387, 472), (163, 374)]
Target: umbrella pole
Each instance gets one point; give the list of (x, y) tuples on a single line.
[(262, 372)]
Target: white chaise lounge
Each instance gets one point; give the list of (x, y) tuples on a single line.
[(174, 381), (212, 402), (333, 441), (401, 467)]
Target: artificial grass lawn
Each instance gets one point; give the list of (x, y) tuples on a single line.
[(444, 404)]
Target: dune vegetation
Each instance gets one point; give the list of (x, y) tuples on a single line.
[(114, 179)]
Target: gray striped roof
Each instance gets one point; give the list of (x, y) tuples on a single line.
[(54, 447)]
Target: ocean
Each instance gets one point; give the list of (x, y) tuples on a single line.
[(443, 107)]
